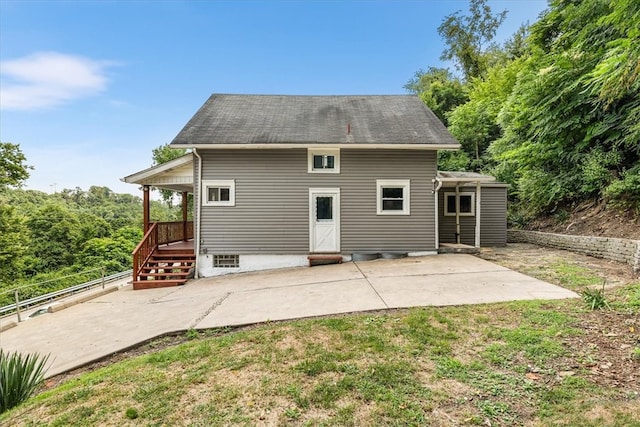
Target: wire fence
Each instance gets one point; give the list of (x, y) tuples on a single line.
[(50, 296)]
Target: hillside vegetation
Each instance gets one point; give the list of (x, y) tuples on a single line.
[(48, 236), (555, 111)]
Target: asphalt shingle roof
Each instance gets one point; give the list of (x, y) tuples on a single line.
[(292, 119)]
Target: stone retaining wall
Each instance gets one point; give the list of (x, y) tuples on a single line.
[(621, 250)]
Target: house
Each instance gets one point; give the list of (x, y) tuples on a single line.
[(280, 180)]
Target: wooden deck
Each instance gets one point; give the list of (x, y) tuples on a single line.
[(184, 245)]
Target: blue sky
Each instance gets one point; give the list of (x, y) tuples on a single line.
[(88, 88)]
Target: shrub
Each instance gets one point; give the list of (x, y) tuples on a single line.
[(625, 192), (20, 376)]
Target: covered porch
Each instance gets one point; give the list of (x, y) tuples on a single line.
[(165, 256), (466, 221)]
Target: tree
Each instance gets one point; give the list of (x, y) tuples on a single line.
[(439, 89), (570, 126), (163, 154), (13, 238), (54, 237), (475, 123), (13, 169), (468, 37)]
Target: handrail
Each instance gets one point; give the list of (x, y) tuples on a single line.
[(61, 292), (144, 250), (30, 285), (159, 233)]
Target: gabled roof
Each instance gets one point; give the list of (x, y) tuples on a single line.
[(252, 121), (174, 175)]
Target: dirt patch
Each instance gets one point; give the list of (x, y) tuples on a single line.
[(604, 350), (535, 261), (590, 219)]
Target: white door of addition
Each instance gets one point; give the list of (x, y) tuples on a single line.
[(324, 220)]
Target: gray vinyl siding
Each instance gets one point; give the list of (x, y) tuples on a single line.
[(493, 221), (271, 212)]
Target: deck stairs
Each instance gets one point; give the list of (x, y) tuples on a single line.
[(165, 268)]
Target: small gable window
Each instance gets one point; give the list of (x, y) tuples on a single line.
[(324, 160), (467, 204), (219, 193), (393, 196)]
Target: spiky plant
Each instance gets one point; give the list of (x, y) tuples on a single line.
[(20, 376), (595, 298)]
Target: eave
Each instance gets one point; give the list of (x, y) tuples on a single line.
[(271, 146), (174, 175)]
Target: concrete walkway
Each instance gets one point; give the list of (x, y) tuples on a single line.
[(91, 330)]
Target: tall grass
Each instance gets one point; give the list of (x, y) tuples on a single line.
[(20, 376)]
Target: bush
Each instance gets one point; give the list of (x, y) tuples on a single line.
[(20, 376), (625, 192)]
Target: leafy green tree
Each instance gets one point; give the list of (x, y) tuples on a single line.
[(457, 160), (13, 169), (163, 154), (571, 128), (54, 237), (468, 38), (439, 89), (13, 246), (475, 123)]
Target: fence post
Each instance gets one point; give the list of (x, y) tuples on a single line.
[(18, 306), (102, 273)]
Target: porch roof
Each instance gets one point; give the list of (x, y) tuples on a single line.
[(455, 178), (174, 175)]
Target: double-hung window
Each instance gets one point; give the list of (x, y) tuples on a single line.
[(324, 160), (467, 203), (393, 196), (219, 192)]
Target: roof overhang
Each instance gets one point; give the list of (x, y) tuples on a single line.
[(246, 146), (174, 175), (461, 178)]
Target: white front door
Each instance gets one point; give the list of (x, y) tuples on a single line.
[(324, 220)]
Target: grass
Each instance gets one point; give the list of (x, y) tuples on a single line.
[(498, 364)]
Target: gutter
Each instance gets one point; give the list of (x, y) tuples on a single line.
[(344, 145)]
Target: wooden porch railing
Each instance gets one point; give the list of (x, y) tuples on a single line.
[(159, 233), (171, 232)]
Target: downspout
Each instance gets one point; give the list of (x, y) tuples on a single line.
[(435, 192), (478, 191), (198, 209), (458, 213)]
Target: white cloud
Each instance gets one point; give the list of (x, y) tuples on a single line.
[(46, 79)]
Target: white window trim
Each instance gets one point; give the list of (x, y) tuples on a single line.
[(335, 152), (406, 205), (462, 193), (230, 183)]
